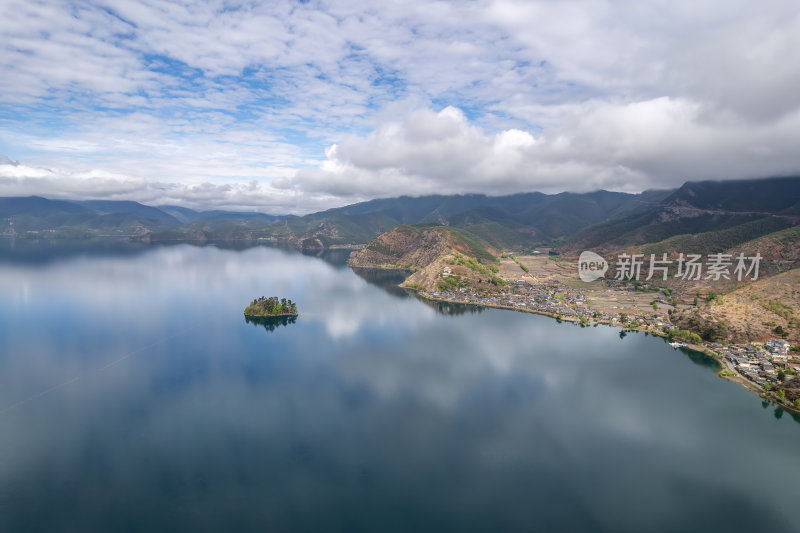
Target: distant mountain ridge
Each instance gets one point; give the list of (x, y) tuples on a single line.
[(34, 217), (516, 221), (742, 210), (602, 220), (770, 195)]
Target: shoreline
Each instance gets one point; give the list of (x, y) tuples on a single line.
[(271, 316), (384, 267), (699, 348)]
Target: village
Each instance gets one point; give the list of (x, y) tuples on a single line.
[(761, 364), (553, 298)]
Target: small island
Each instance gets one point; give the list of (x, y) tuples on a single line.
[(267, 307)]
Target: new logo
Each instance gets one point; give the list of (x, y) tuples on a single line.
[(591, 266)]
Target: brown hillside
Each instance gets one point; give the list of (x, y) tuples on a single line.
[(780, 250), (752, 313), (418, 246), (403, 246)]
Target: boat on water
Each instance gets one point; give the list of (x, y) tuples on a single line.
[(677, 344)]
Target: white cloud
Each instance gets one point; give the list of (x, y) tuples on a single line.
[(23, 180), (212, 96), (656, 143)]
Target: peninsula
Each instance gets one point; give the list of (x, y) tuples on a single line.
[(265, 307)]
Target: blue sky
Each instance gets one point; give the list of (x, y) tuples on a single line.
[(295, 107)]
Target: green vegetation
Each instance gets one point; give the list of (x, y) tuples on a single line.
[(767, 387), (452, 283), (470, 262), (716, 332), (415, 286), (473, 264), (648, 227), (476, 246), (713, 297), (720, 240), (271, 307), (779, 308), (686, 336), (726, 373), (782, 395), (519, 264), (517, 261), (708, 329), (496, 280), (503, 234), (381, 248)]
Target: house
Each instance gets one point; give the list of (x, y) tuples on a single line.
[(778, 346)]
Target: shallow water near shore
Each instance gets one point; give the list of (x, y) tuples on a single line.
[(134, 396)]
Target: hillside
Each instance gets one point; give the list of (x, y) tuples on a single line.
[(437, 254), (729, 213), (415, 247), (37, 217), (780, 250), (130, 208), (718, 240), (770, 195), (768, 307)]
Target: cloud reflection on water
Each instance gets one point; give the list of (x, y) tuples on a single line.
[(371, 400)]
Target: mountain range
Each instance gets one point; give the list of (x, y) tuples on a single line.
[(707, 216), (710, 215)]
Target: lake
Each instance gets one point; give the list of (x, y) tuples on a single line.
[(134, 396)]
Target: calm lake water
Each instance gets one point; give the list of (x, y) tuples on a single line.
[(134, 396)]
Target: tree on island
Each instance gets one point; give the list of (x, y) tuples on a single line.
[(271, 307)]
